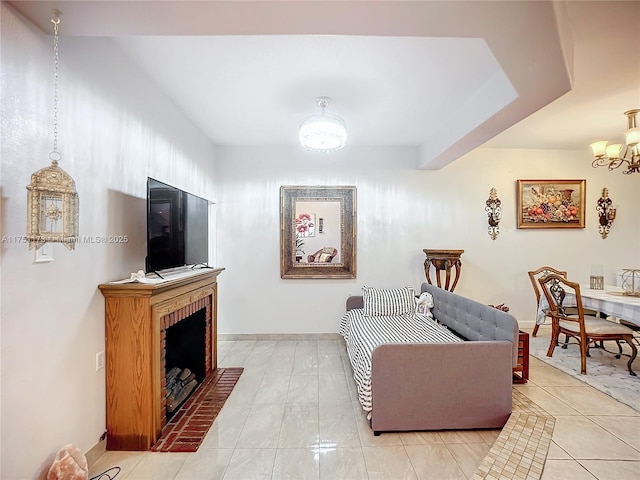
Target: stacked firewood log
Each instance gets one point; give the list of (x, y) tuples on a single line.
[(179, 385)]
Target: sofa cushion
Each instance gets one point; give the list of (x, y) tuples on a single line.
[(324, 257), (396, 301)]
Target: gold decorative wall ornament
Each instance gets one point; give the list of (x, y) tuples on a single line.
[(606, 213), (52, 204), (494, 213), (52, 200)]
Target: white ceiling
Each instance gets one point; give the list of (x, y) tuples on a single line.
[(445, 76)]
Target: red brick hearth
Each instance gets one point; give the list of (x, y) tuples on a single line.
[(188, 427)]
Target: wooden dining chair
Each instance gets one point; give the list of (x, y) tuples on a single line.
[(584, 329), (534, 275), (632, 326)]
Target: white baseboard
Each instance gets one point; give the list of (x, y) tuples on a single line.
[(96, 452), (526, 326), (278, 336)]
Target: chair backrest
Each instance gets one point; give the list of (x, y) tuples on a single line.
[(556, 288), (534, 275)]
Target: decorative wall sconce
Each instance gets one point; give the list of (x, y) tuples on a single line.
[(494, 213), (52, 200), (606, 213)]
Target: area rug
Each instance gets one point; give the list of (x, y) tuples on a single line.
[(188, 427), (604, 372)]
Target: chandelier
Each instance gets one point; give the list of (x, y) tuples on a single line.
[(324, 132), (615, 155)]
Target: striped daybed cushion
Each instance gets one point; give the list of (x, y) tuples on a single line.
[(363, 333)]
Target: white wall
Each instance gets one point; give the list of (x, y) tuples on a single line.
[(401, 211), (116, 128)]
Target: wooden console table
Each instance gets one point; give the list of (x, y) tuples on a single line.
[(443, 260), (136, 317)]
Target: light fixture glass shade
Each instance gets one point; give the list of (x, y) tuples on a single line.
[(632, 136), (599, 148), (613, 150), (324, 132)]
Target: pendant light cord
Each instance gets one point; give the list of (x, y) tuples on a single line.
[(55, 155)]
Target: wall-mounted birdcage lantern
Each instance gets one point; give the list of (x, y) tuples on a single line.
[(52, 205), (52, 200)]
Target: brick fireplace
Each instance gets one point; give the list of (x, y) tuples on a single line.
[(202, 366), (137, 317)]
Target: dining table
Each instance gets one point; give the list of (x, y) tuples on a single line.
[(610, 301)]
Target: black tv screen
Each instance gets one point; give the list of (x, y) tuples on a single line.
[(177, 227)]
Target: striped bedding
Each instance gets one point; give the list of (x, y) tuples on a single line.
[(362, 334)]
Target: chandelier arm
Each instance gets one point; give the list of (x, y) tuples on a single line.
[(616, 163), (610, 163)]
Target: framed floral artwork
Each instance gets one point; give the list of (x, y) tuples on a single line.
[(305, 225), (551, 203)]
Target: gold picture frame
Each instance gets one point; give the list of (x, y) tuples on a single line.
[(331, 251), (551, 203)]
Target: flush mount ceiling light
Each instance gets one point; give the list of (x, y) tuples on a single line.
[(324, 132), (610, 155)]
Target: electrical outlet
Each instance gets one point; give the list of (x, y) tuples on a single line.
[(44, 254), (99, 361)]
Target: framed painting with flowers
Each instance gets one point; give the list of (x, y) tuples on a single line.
[(551, 203), (305, 224), (317, 232)]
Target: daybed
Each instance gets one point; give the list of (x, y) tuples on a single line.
[(460, 378)]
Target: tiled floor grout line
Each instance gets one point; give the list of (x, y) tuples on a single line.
[(545, 388), (588, 417)]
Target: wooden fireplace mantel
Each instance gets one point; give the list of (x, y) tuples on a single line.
[(133, 360)]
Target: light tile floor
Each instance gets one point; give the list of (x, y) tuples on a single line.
[(294, 414)]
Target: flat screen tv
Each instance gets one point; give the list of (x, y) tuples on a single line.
[(177, 228)]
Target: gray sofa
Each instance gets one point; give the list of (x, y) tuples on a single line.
[(446, 386)]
